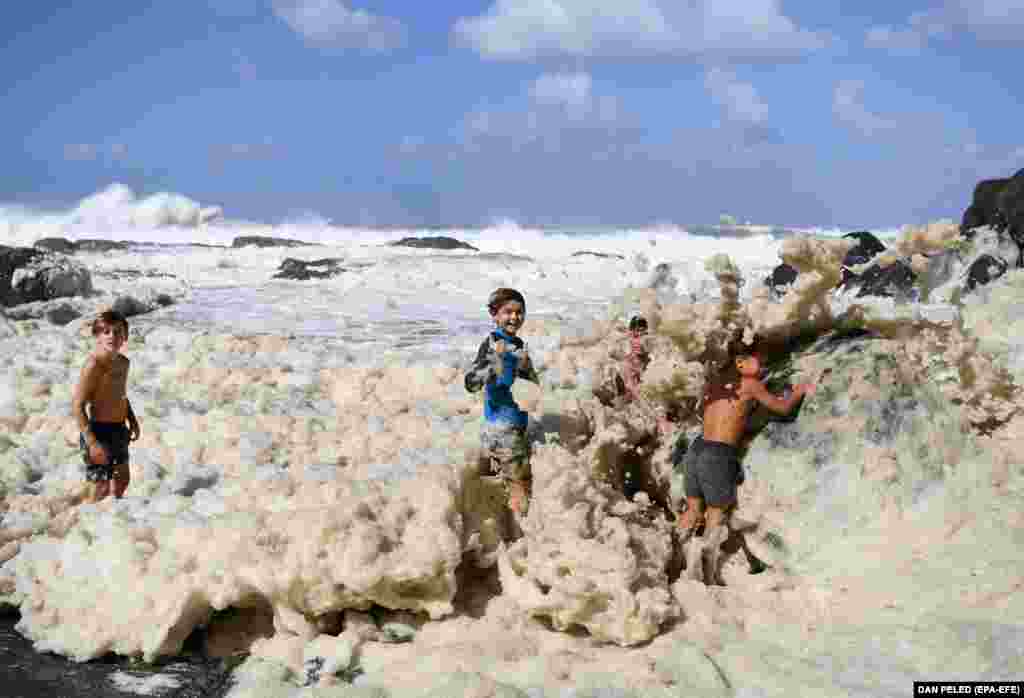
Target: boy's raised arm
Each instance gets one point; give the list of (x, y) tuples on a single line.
[(82, 395), (781, 405)]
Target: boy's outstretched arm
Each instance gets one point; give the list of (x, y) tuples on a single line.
[(482, 369), (781, 405)]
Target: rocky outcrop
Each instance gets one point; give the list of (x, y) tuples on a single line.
[(780, 279), (895, 280), (301, 270), (434, 243), (984, 208), (1010, 205), (867, 248), (65, 246), (264, 241), (985, 269), (600, 255), (28, 275)]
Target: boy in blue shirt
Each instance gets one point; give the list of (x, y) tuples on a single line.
[(501, 359)]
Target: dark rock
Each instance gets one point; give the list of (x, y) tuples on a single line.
[(101, 245), (263, 241), (300, 270), (985, 269), (62, 245), (28, 275), (602, 255), (30, 674), (896, 279), (985, 205), (134, 274), (62, 314), (973, 218), (866, 249), (434, 243), (1011, 211), (781, 277), (129, 306)]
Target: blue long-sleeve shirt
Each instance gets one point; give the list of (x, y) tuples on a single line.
[(496, 374)]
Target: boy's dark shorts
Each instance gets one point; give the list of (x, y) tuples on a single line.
[(115, 439), (713, 472), (507, 449)]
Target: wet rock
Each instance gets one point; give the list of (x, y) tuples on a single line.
[(265, 241), (984, 270), (984, 208), (62, 245), (300, 270), (62, 314), (1010, 205), (600, 255), (867, 248), (780, 279), (102, 245), (434, 243), (28, 275), (895, 280)]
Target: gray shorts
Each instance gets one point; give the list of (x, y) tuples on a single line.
[(507, 448), (713, 472)]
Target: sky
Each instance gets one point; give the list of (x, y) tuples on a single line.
[(547, 112)]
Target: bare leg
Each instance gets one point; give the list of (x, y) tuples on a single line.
[(691, 519), (518, 496), (122, 477), (99, 492), (717, 533)]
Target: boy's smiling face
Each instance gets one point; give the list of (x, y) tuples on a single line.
[(509, 317)]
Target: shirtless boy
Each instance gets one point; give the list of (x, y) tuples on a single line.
[(104, 436), (713, 470)]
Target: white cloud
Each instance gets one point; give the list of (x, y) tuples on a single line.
[(985, 20), (848, 107), (738, 29), (893, 39), (92, 151), (571, 90), (332, 23), (741, 100)]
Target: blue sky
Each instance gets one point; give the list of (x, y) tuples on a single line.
[(545, 111)]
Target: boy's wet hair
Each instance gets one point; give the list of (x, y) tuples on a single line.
[(637, 322), (503, 296), (109, 318)]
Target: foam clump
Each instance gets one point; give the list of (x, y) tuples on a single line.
[(589, 557), (304, 548)]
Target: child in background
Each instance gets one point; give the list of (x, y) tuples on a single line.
[(636, 359), (501, 359), (106, 432)]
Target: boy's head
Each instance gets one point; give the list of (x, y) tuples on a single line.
[(747, 358), (508, 308), (638, 325), (110, 328)]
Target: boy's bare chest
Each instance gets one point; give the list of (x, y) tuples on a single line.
[(112, 384)]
